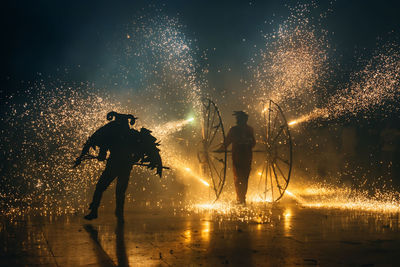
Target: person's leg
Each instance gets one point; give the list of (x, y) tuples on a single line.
[(104, 181), (241, 177), (236, 181), (122, 184), (244, 181)]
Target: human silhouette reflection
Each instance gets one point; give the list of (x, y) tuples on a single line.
[(120, 245), (103, 258)]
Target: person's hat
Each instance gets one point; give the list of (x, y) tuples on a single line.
[(111, 115), (240, 114)]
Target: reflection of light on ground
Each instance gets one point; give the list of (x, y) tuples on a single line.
[(205, 231), (255, 213), (287, 220), (187, 234), (260, 199)]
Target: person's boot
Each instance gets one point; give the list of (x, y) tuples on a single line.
[(92, 214)]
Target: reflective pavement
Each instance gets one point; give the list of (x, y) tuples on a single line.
[(292, 236)]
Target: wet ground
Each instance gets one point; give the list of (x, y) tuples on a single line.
[(289, 236)]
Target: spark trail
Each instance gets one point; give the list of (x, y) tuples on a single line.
[(369, 89), (163, 131)]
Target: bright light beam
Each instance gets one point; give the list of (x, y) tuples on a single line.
[(188, 170), (162, 131)]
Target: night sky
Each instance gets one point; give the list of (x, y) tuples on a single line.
[(48, 36)]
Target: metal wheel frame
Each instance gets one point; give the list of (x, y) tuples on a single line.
[(273, 180), (213, 162)]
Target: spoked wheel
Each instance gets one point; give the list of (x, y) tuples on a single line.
[(275, 176), (212, 160)]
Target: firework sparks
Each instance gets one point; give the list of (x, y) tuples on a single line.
[(159, 59), (294, 61), (369, 89), (52, 126), (334, 197), (168, 128), (191, 173)]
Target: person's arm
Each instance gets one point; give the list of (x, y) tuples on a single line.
[(85, 150), (228, 141), (228, 138)]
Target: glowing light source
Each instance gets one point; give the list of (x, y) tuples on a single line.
[(168, 128), (196, 176), (289, 193), (204, 182)]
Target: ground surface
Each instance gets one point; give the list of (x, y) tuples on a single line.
[(289, 235)]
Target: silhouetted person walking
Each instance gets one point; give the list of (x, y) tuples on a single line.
[(126, 147), (241, 136)]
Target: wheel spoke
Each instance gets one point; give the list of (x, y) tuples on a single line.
[(208, 119), (276, 179), (275, 122), (270, 180), (215, 132), (210, 126), (211, 174), (278, 149), (280, 171), (283, 160), (277, 135), (216, 171)]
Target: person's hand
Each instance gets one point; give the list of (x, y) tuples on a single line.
[(221, 148)]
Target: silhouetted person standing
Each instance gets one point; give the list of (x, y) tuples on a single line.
[(241, 136), (125, 146)]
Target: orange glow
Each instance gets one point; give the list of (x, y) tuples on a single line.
[(187, 169)]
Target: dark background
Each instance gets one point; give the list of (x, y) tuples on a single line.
[(48, 36)]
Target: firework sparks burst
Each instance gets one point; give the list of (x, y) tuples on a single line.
[(375, 85), (294, 61)]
